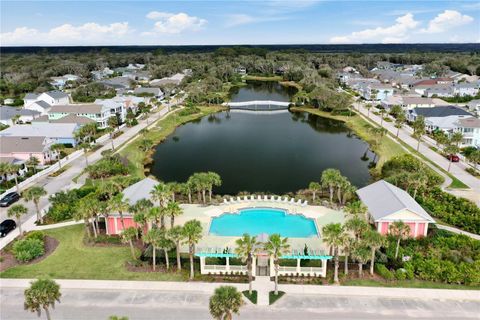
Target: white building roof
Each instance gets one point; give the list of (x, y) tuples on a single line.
[(384, 199), (52, 130)]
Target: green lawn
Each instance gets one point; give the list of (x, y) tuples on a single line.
[(73, 260), (157, 134), (272, 297), (387, 148), (252, 297), (407, 284)]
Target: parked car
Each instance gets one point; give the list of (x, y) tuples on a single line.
[(453, 158), (9, 199), (6, 226)]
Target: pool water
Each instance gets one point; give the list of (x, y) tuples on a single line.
[(255, 221)]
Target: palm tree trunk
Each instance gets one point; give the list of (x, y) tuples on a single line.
[(165, 251), (47, 313), (19, 224), (372, 262), (210, 194), (360, 269), (339, 195), (313, 195), (87, 227), (396, 249), (249, 267), (172, 221), (204, 198), (154, 256), (345, 264), (335, 272), (398, 131), (449, 164), (16, 183), (121, 220), (132, 249), (86, 157), (94, 229), (189, 197), (162, 222), (179, 264), (191, 265), (418, 145), (39, 216), (331, 194), (276, 279)]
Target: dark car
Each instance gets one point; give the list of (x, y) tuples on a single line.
[(9, 199), (453, 158), (6, 226)]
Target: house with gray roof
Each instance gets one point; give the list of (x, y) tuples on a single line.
[(436, 112), (154, 92), (63, 133), (42, 102), (8, 114), (387, 203), (24, 147)]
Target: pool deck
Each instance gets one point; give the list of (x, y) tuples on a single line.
[(321, 215)]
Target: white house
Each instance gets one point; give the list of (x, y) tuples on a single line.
[(63, 133), (465, 89), (42, 102), (100, 74), (7, 114), (376, 91), (61, 81), (470, 128)]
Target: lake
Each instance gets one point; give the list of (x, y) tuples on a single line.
[(276, 153)]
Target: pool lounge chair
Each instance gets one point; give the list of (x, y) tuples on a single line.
[(232, 200), (285, 200), (245, 198), (272, 198), (265, 198), (252, 198), (299, 202), (225, 201), (238, 199), (292, 201), (305, 203), (259, 198)]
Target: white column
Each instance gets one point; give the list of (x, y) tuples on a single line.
[(227, 267), (254, 266), (202, 265), (425, 229), (298, 265), (324, 268)]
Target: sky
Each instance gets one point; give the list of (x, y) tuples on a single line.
[(53, 23)]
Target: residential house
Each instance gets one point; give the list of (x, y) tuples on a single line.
[(8, 114), (24, 147), (117, 83), (421, 86), (465, 89), (137, 75), (44, 101), (376, 91), (132, 194), (241, 71), (444, 91), (93, 111), (63, 133), (101, 74), (71, 118), (470, 128), (154, 92), (176, 79), (474, 106), (387, 203), (119, 105), (61, 81), (436, 112)]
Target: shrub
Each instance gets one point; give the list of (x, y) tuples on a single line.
[(400, 274), (39, 235), (384, 272), (28, 249)]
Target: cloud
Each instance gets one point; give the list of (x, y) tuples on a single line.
[(67, 34), (173, 23), (234, 20), (397, 32), (446, 20)]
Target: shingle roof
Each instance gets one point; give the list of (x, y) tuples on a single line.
[(383, 199), (72, 118), (441, 112), (31, 96), (471, 122), (417, 100), (92, 108), (7, 113), (155, 91), (52, 130), (139, 190), (57, 94), (42, 104), (22, 144)]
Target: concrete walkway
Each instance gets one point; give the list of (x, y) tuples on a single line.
[(263, 285), (458, 231), (443, 294)]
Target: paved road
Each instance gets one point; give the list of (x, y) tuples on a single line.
[(64, 181), (146, 304), (457, 169)]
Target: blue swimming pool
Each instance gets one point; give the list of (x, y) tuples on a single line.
[(255, 221)]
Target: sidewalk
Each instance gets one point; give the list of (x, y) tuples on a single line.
[(411, 293)]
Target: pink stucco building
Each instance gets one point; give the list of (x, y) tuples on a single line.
[(22, 148)]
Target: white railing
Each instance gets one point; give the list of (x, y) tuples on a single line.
[(218, 269), (318, 271), (257, 102)]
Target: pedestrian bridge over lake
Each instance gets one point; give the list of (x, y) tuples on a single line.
[(258, 105)]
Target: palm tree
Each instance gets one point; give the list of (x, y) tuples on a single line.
[(161, 193), (418, 129), (226, 301), (456, 138), (153, 237), (174, 210), (128, 235), (399, 121), (34, 194), (176, 235), (117, 204), (33, 162), (42, 294), (368, 106), (314, 187), (374, 241), (451, 149), (333, 235), (85, 146), (165, 244), (213, 180), (58, 147), (382, 115), (17, 211), (330, 179), (357, 225), (399, 230), (87, 208), (276, 246), (361, 253), (246, 249), (347, 243), (356, 208), (192, 233), (12, 169)]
